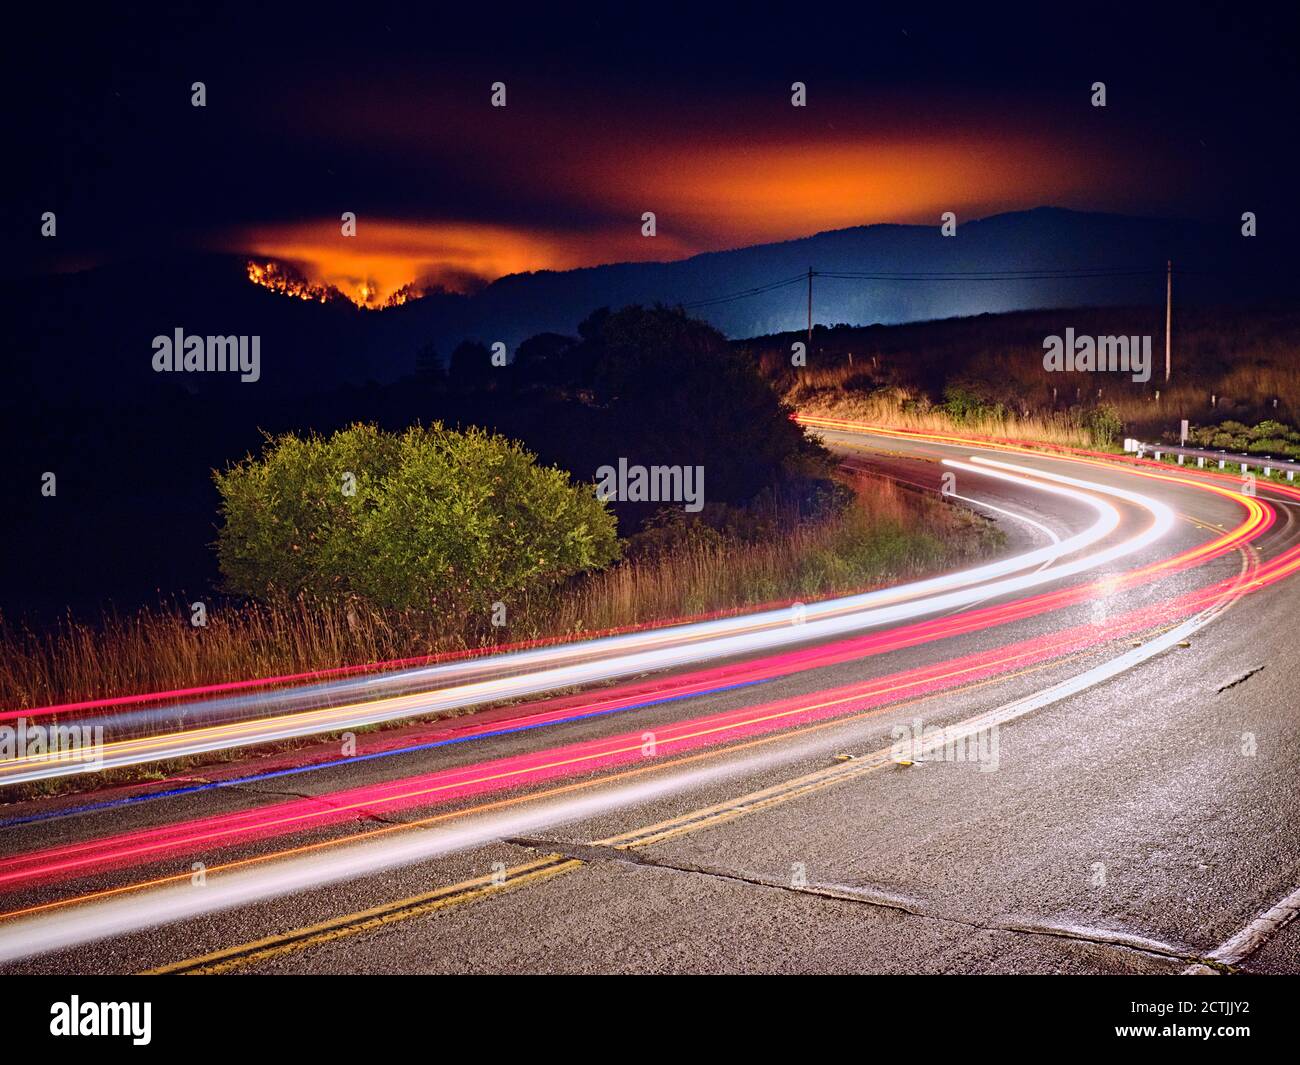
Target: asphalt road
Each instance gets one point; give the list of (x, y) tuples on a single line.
[(1134, 826)]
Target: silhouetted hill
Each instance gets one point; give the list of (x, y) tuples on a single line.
[(89, 334), (1215, 267), (1031, 240)]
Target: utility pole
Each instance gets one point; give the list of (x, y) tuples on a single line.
[(1169, 315), (810, 277)]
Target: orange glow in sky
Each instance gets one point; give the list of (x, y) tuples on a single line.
[(705, 198), (746, 194)]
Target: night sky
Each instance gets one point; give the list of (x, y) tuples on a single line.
[(673, 110)]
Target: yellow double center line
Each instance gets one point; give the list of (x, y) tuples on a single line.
[(553, 865), (544, 868)]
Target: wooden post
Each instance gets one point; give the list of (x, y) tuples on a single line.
[(810, 277), (1169, 316)]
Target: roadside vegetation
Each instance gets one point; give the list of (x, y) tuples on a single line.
[(961, 410), (677, 568), (429, 518), (371, 544), (985, 374), (1269, 438)]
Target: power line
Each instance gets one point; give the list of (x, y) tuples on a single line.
[(1028, 274), (756, 291), (1059, 275), (1127, 268), (1046, 273)]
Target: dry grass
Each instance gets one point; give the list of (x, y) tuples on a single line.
[(1229, 363), (901, 409), (887, 535)]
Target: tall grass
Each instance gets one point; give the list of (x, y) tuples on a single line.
[(889, 533), (1228, 363), (901, 409)]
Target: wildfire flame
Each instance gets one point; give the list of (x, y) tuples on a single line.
[(405, 294), (289, 282), (286, 282)]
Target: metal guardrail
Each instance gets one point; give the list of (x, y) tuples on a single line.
[(1221, 459)]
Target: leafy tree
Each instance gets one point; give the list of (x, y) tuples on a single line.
[(541, 358), (428, 518), (428, 364), (471, 364), (679, 393)]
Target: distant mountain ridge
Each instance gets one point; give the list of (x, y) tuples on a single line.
[(90, 333)]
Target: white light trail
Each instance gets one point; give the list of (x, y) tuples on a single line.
[(666, 649), (43, 934)]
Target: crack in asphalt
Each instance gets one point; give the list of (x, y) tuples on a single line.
[(592, 853), (1241, 679)]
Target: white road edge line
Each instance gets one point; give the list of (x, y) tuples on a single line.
[(1251, 938), (93, 921), (1051, 535)]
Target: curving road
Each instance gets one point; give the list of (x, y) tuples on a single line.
[(1077, 759)]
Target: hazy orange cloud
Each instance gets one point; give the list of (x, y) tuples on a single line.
[(746, 193), (705, 197)]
